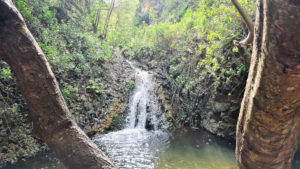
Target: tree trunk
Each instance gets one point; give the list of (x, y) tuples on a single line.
[(52, 121), (105, 29), (269, 119)]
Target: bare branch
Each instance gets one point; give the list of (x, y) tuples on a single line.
[(244, 44), (247, 19)]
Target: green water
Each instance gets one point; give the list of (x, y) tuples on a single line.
[(196, 150), (186, 149), (191, 158)]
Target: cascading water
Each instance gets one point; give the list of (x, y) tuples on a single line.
[(143, 105), (138, 104), (135, 146)]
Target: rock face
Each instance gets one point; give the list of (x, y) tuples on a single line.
[(219, 114), (149, 10), (151, 6), (146, 5), (207, 104), (101, 112)]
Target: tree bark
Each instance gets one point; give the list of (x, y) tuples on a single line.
[(269, 119), (52, 121)]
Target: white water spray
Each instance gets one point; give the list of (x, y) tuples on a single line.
[(143, 104), (135, 146)]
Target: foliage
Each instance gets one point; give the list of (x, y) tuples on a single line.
[(5, 73), (175, 9), (95, 85), (196, 50), (71, 51), (76, 56)]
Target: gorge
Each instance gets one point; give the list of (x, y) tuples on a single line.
[(149, 84)]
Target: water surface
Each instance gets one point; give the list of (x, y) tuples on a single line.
[(195, 149), (184, 150), (142, 149)]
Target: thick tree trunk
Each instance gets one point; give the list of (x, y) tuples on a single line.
[(269, 119), (51, 118)]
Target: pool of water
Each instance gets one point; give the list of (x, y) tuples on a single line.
[(142, 149), (193, 149)]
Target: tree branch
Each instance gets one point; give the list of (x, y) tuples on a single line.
[(248, 22), (243, 45)]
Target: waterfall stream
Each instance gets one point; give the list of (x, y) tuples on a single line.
[(135, 146), (143, 105)]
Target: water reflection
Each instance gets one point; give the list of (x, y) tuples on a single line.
[(185, 150), (196, 150)]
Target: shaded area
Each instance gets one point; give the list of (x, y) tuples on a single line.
[(41, 161)]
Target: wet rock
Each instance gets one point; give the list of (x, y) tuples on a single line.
[(206, 102), (149, 125)]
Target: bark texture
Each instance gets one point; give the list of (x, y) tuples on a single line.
[(269, 119), (51, 118)]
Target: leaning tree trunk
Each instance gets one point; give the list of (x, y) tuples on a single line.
[(269, 119), (52, 121)]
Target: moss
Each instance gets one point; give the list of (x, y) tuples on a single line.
[(113, 117)]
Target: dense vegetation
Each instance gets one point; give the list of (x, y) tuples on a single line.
[(82, 65), (188, 44), (192, 52)]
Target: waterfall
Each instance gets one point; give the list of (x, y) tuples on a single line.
[(134, 146), (143, 104)]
